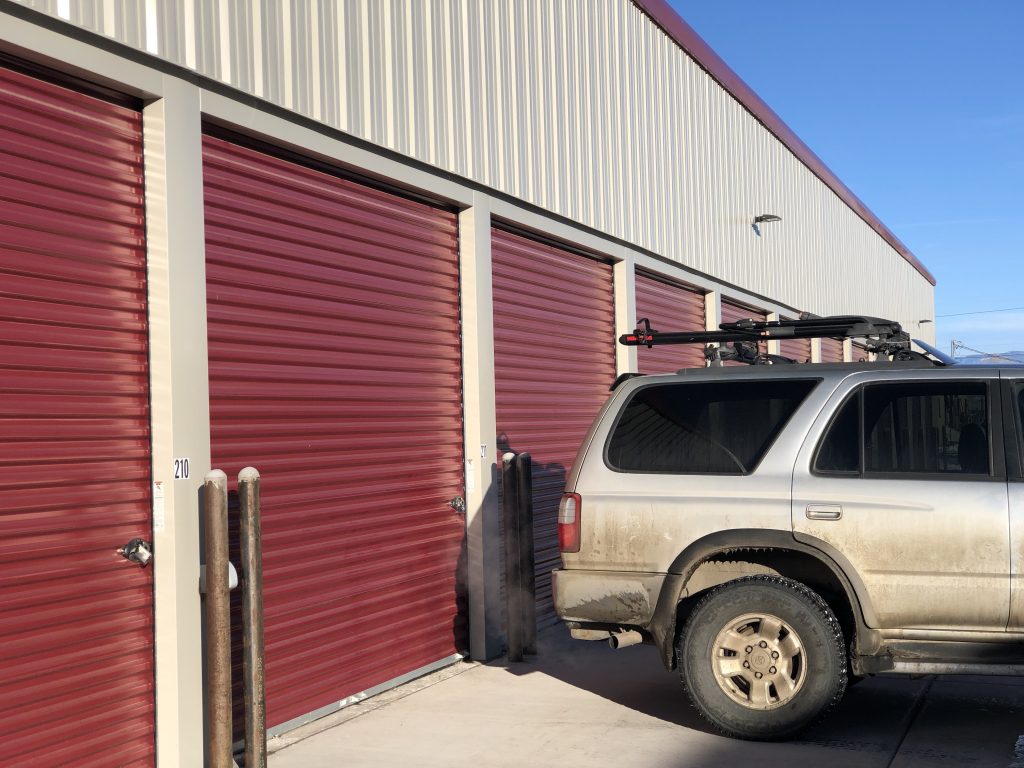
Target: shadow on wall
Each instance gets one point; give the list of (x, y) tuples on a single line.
[(460, 620), (548, 485)]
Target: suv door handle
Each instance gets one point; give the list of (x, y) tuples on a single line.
[(824, 512)]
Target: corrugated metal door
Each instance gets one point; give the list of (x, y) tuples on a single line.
[(831, 351), (795, 349), (733, 311), (669, 307), (335, 369), (861, 354), (76, 619), (554, 359)]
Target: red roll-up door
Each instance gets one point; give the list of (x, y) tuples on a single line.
[(335, 369), (795, 349), (549, 386), (732, 312), (859, 354), (831, 351), (669, 307), (76, 619)]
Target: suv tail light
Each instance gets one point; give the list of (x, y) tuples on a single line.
[(569, 522)]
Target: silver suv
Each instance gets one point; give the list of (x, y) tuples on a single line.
[(779, 530)]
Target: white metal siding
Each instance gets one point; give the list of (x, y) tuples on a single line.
[(582, 107)]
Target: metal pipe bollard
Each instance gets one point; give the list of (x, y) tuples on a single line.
[(252, 619), (218, 621)]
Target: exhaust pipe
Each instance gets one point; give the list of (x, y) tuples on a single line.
[(625, 639)]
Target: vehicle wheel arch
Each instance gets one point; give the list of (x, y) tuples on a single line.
[(767, 551)]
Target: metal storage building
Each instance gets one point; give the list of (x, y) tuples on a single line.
[(364, 246)]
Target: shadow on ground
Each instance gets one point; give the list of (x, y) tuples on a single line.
[(631, 677), (895, 721)]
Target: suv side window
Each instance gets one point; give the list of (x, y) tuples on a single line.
[(839, 452), (920, 428), (1020, 408), (1015, 428), (703, 428)]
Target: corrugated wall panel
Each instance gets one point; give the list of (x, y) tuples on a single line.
[(575, 122), (733, 312), (831, 351), (795, 349), (669, 307), (548, 393), (859, 353), (335, 369), (76, 619)]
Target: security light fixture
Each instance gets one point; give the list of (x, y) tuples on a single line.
[(766, 218)]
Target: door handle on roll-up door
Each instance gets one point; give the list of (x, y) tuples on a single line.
[(824, 511)]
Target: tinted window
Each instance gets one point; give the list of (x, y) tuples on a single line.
[(926, 428), (840, 449), (1017, 465), (708, 428), (1020, 408)]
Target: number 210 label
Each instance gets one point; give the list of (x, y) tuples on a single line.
[(181, 469)]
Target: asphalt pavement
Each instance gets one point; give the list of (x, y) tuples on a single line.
[(579, 704)]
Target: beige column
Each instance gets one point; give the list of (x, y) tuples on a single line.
[(815, 350), (774, 346), (712, 310), (180, 409), (624, 279), (483, 532)]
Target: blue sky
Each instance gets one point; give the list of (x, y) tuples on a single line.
[(919, 108)]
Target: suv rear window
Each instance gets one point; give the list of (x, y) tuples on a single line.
[(721, 427)]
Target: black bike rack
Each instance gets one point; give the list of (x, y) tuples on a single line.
[(885, 337)]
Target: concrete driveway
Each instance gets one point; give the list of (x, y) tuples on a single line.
[(583, 705)]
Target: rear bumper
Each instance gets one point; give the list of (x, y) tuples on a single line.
[(606, 597)]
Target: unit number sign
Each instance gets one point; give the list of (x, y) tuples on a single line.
[(181, 469)]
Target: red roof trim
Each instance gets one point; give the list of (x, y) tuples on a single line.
[(686, 38)]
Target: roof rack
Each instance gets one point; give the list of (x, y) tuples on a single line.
[(884, 337)]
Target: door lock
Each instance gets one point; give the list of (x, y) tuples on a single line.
[(137, 551), (458, 504)]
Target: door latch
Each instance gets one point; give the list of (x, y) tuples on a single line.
[(458, 504), (137, 551)]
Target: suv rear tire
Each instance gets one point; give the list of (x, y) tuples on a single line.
[(762, 657)]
